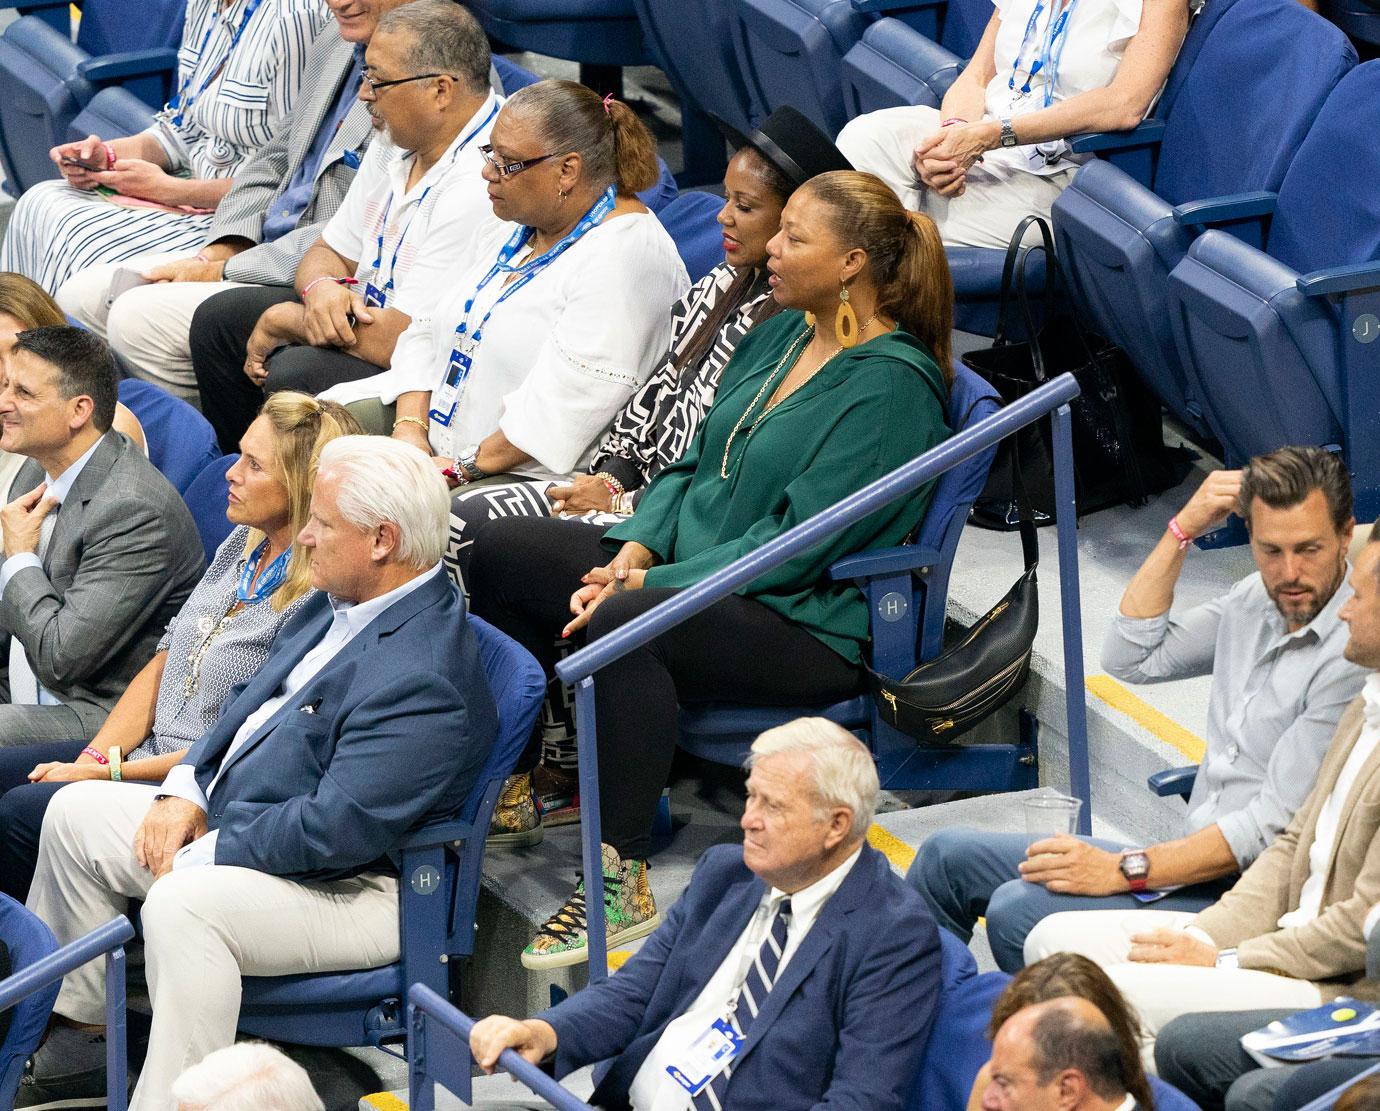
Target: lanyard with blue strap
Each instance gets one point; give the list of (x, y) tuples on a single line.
[(1051, 50), (446, 397), (375, 295), (271, 579), (176, 110)]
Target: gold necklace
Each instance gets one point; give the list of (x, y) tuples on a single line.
[(786, 363)]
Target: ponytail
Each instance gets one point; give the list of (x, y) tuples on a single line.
[(904, 252), (634, 150)]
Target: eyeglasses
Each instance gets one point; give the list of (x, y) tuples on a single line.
[(508, 169), (375, 86)]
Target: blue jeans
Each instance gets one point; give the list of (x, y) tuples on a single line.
[(963, 874)]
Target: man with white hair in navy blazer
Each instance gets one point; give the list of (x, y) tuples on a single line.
[(796, 970)]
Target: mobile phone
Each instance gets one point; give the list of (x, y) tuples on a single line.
[(89, 167)]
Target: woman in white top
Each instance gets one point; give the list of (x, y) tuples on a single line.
[(560, 314), (993, 152), (239, 71)]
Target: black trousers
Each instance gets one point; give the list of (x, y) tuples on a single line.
[(523, 572), (221, 328), (22, 806)]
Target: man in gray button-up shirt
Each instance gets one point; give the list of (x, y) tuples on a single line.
[(1273, 645)]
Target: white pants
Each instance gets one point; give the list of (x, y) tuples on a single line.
[(204, 927), (1160, 992), (150, 325), (998, 195)]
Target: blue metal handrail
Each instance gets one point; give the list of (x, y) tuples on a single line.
[(107, 940), (579, 667), (426, 1058)]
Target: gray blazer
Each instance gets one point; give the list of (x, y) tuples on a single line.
[(123, 557), (262, 180)]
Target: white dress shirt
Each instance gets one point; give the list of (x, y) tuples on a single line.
[(653, 1089), (58, 489), (1325, 835), (348, 622)]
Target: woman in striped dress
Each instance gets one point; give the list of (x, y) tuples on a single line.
[(239, 70)]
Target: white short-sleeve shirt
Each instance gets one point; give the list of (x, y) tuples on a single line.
[(1093, 43), (417, 236), (559, 358)]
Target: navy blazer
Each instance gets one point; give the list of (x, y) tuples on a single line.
[(844, 1027), (390, 734)]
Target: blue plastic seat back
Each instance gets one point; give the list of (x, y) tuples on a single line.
[(28, 940), (691, 222), (181, 441), (895, 65), (1231, 128), (964, 23), (205, 497), (693, 40), (792, 53), (113, 111), (958, 1045), (106, 26), (593, 32), (664, 191), (971, 399), (512, 76), (1198, 33), (40, 94), (1315, 228), (1168, 1097)]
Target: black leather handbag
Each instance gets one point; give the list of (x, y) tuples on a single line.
[(944, 698)]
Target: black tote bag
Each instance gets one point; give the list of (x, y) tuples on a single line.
[(1118, 438)]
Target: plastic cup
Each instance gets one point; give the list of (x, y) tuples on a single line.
[(1047, 815)]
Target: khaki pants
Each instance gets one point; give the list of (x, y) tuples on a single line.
[(997, 195), (1160, 992), (204, 927), (149, 325)]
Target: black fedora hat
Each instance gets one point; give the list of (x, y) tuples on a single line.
[(791, 143)]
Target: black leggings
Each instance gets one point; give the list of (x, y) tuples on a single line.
[(523, 572)]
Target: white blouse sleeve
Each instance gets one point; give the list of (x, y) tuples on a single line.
[(1126, 21), (611, 330)]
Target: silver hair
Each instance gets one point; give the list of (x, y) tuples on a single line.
[(442, 38), (248, 1076), (844, 772), (385, 480)]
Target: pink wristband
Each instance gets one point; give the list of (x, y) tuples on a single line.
[(952, 119), (99, 757), (109, 156), (1176, 530), (200, 256), (314, 283)]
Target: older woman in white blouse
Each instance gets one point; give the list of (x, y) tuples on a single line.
[(239, 69), (557, 316), (993, 152)]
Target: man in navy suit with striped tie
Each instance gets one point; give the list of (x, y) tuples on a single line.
[(795, 971)]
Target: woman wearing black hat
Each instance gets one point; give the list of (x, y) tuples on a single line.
[(845, 385), (657, 425)]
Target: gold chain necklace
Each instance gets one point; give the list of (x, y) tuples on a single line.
[(786, 363)]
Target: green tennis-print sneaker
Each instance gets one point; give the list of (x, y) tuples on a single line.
[(629, 911)]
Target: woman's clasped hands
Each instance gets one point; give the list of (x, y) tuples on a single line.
[(626, 571)]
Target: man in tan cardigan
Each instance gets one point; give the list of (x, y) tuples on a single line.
[(1289, 933)]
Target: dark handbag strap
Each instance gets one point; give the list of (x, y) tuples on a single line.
[(1008, 270), (1054, 283), (1025, 514)]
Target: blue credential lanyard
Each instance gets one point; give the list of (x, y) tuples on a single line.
[(1050, 54), (272, 576), (175, 109), (375, 295), (446, 398)]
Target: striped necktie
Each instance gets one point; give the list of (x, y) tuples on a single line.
[(752, 996)]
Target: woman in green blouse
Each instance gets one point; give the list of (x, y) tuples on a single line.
[(814, 405)]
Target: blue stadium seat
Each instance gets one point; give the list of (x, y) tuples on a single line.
[(114, 111), (1280, 343), (437, 923), (792, 54), (591, 32), (664, 191), (205, 497), (181, 442), (918, 573), (512, 76), (41, 91), (691, 221), (1358, 18), (28, 941), (1119, 238)]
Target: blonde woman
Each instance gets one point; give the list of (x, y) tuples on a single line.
[(258, 579)]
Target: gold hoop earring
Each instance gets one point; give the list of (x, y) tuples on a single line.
[(845, 322)]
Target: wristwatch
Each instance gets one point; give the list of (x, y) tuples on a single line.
[(1008, 134), (468, 466), (1135, 866)]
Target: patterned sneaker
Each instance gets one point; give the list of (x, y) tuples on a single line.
[(558, 792), (629, 910), (517, 817)]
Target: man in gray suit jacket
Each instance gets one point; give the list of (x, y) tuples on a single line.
[(275, 210), (99, 550)]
